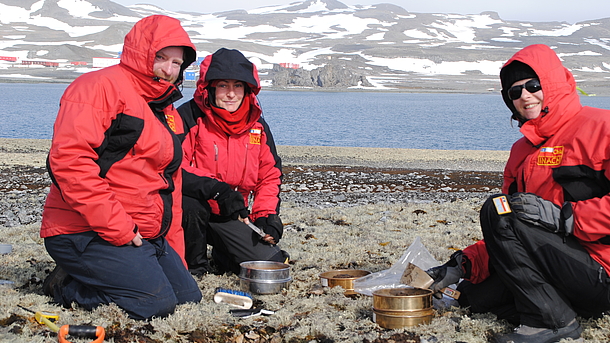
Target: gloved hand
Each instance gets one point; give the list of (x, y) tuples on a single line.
[(449, 273), (231, 203), (532, 209), (272, 225)]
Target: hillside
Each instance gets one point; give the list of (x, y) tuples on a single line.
[(312, 44)]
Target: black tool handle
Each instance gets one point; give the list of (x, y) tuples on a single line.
[(87, 331)]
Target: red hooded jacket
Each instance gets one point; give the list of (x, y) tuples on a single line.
[(247, 161), (563, 156), (115, 158)]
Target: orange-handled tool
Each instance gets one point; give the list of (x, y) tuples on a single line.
[(86, 331)]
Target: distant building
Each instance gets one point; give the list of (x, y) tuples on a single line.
[(78, 63), (43, 63), (103, 62), (290, 65), (8, 58), (190, 76)]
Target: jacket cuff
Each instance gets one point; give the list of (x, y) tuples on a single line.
[(259, 214), (479, 261)]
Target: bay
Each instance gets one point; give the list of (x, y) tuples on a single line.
[(345, 119)]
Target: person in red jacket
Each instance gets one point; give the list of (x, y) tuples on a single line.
[(112, 219), (230, 163), (545, 255)]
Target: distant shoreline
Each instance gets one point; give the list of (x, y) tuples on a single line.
[(191, 84), (33, 152), (422, 89)]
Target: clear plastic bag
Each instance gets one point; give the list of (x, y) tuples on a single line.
[(416, 254)]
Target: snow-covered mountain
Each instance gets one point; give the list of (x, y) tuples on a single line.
[(316, 43)]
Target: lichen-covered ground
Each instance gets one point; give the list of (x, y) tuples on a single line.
[(335, 217)]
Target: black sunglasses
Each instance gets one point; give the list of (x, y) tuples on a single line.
[(532, 86)]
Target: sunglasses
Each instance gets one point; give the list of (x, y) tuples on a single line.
[(531, 86)]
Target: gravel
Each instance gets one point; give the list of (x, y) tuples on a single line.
[(23, 188)]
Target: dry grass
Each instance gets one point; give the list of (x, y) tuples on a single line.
[(368, 237)]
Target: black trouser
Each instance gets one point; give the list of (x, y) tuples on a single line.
[(233, 241), (195, 218), (551, 278), (489, 296)]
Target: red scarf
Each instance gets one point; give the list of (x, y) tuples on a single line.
[(233, 123)]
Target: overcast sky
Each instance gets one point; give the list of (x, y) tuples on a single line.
[(571, 11)]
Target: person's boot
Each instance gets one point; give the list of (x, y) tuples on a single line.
[(528, 334), (55, 279)]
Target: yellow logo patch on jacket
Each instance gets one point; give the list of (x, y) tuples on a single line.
[(550, 156), (255, 136), (171, 122)]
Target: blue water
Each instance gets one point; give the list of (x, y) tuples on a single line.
[(348, 119)]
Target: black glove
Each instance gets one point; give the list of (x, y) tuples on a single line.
[(272, 225), (532, 209), (449, 273), (231, 203)]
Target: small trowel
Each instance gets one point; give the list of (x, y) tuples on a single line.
[(418, 278)]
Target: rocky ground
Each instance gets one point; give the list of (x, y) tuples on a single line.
[(342, 208), (312, 176), (23, 189)]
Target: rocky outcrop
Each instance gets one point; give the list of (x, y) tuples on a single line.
[(331, 75)]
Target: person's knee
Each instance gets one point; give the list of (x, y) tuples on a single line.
[(190, 296), (274, 254), (495, 215), (152, 306), (495, 206)]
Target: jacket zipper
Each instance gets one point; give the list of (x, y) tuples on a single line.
[(216, 159), (243, 173)]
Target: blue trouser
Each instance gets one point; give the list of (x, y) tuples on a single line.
[(550, 278), (145, 281)]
